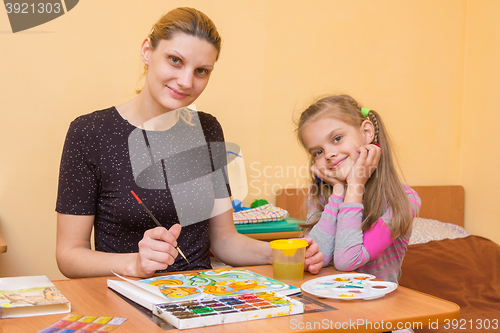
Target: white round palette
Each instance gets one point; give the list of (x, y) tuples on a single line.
[(348, 286)]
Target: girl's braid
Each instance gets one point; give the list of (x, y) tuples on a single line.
[(373, 119), (371, 116)]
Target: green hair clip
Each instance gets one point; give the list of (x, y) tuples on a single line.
[(365, 111)]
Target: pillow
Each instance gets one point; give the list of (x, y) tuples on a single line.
[(426, 230)]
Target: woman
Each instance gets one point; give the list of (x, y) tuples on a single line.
[(135, 147)]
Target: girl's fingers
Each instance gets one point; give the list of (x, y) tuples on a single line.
[(313, 257), (374, 153), (319, 172), (325, 175), (369, 155), (363, 154), (373, 159), (365, 165)]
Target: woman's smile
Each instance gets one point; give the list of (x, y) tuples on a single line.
[(176, 93)]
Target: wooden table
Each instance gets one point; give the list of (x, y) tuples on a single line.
[(92, 297)]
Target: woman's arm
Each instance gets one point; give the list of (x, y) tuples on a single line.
[(236, 249), (75, 257)]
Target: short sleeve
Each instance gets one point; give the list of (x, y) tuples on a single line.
[(78, 180)]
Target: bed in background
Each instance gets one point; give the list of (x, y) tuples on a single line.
[(442, 259)]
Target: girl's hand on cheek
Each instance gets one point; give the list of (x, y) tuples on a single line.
[(326, 176), (365, 165)]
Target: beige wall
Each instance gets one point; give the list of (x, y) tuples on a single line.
[(429, 67), (480, 160)]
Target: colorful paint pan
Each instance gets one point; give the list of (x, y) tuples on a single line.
[(207, 312)]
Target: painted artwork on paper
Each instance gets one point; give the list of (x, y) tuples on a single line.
[(216, 283)]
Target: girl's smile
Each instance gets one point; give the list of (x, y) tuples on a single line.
[(338, 164)]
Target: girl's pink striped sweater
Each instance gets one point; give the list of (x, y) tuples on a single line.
[(339, 236)]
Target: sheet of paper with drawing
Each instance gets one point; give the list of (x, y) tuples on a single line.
[(207, 289), (217, 283)]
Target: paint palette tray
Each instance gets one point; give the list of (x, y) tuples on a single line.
[(214, 311), (349, 286)]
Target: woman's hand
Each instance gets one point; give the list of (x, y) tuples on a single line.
[(314, 257), (157, 250)]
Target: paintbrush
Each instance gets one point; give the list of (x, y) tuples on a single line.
[(158, 223)]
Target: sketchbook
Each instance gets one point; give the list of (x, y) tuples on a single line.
[(26, 296), (217, 283)]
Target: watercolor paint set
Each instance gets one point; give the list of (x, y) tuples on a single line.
[(214, 311), (73, 323), (349, 286)]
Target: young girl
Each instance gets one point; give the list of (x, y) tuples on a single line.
[(359, 212)]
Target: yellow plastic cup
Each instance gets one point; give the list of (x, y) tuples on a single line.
[(288, 259)]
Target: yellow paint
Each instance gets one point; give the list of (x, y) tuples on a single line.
[(342, 279), (72, 317), (178, 291), (102, 320), (87, 319)]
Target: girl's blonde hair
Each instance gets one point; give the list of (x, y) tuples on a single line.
[(383, 189), (192, 22)]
